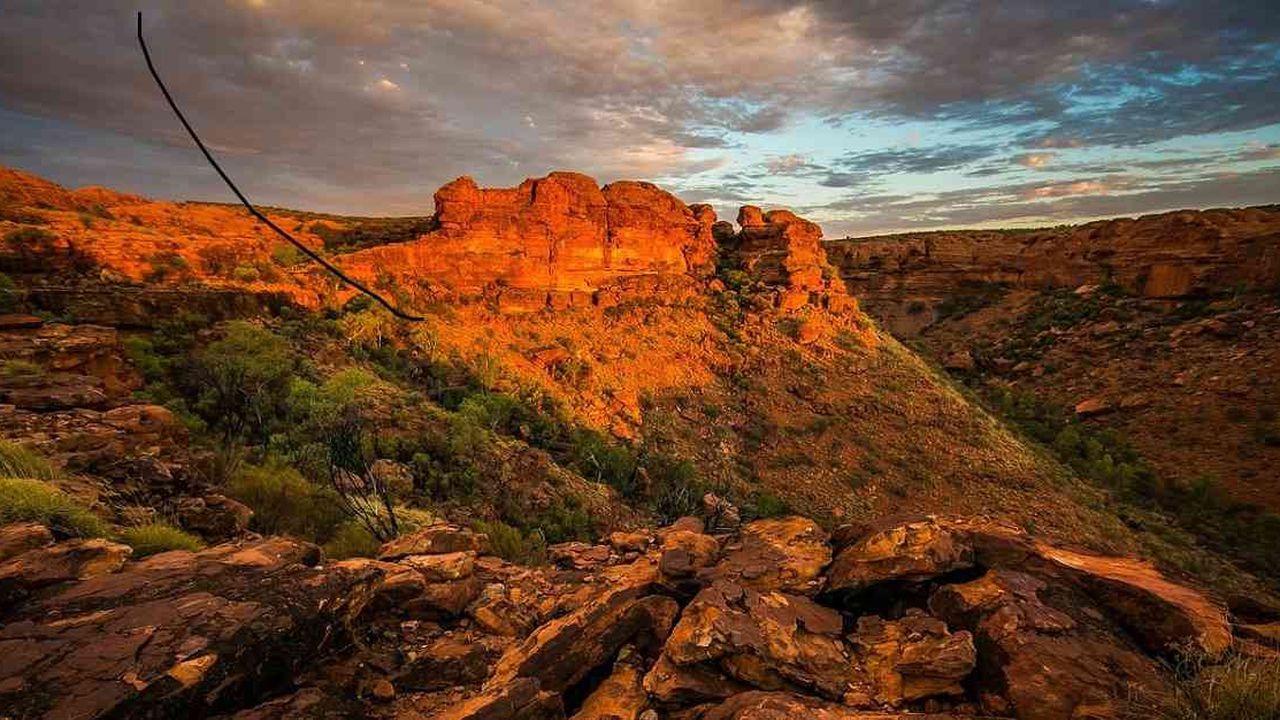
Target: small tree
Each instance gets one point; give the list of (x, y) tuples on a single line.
[(242, 382), (362, 492)]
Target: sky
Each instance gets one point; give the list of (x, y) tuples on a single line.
[(867, 116)]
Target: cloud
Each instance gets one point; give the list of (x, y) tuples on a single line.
[(366, 107), (915, 159), (1035, 161)]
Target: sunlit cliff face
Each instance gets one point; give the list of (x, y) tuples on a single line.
[(867, 116)]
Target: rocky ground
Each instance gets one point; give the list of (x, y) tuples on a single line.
[(949, 617)]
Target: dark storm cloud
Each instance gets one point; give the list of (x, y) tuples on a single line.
[(916, 159), (367, 106), (1202, 66)]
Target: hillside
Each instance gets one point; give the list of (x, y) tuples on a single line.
[(1157, 336), (594, 363)]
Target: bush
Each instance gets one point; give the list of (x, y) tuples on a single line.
[(158, 537), (242, 381), (352, 539), (513, 545), (10, 295), (284, 502), (674, 487), (28, 500), (20, 370), (286, 255), (1242, 688), (767, 505), (17, 461)]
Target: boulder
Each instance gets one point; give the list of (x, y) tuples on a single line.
[(518, 699), (448, 662), (768, 640), (684, 552), (18, 538), (913, 552), (786, 706), (69, 560), (177, 633), (681, 685), (620, 697), (563, 651), (785, 554), (1048, 665), (1162, 614), (214, 517), (436, 539), (627, 542), (505, 610), (444, 567), (913, 658), (579, 555), (444, 600)]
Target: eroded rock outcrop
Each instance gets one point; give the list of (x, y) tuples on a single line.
[(549, 241), (751, 624), (903, 279), (785, 252)]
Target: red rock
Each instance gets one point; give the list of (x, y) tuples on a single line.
[(443, 567), (64, 562), (446, 663), (563, 651), (1093, 406), (676, 684), (1167, 255), (18, 538), (560, 233), (785, 251), (214, 517), (913, 658), (765, 640), (435, 539), (1046, 664), (620, 697), (911, 551), (786, 706), (786, 554), (383, 691), (176, 633)]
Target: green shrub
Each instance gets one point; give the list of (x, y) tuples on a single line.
[(10, 295), (674, 490), (158, 537), (245, 273), (1242, 688), (767, 505), (17, 461), (29, 500), (284, 502), (352, 539), (513, 545), (595, 458), (20, 369), (286, 255), (242, 381)]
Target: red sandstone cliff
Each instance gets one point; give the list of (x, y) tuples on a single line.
[(902, 278), (559, 233)]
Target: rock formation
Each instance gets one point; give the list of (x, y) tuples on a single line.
[(561, 234), (901, 279), (784, 251), (981, 618)]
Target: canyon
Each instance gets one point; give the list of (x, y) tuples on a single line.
[(646, 463)]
